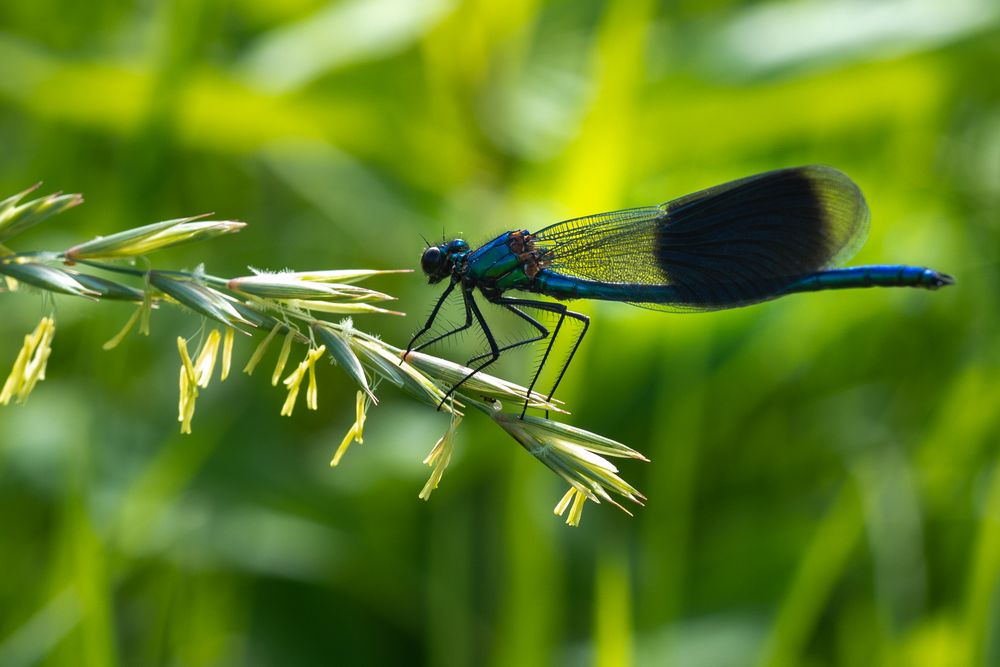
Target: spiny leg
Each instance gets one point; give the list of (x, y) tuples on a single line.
[(563, 313), (430, 322), (433, 315), (543, 333), (494, 353), (585, 321), (452, 332), (541, 365)]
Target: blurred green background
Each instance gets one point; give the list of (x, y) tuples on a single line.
[(823, 486)]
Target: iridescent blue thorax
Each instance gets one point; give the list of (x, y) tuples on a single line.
[(510, 261)]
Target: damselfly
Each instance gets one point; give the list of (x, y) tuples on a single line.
[(731, 245)]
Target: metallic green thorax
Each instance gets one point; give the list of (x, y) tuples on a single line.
[(507, 262)]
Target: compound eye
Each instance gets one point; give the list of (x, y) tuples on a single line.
[(431, 261)]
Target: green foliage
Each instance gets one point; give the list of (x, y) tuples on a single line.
[(823, 486)]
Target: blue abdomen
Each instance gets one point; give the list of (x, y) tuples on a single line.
[(568, 287)]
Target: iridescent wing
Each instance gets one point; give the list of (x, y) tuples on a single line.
[(730, 245)]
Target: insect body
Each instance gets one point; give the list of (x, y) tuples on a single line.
[(732, 245)]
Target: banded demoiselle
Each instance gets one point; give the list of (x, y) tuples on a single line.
[(735, 244)]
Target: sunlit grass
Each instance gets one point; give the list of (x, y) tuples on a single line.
[(290, 305), (777, 529)]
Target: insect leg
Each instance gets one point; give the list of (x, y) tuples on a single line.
[(585, 321), (563, 313), (494, 354), (430, 322), (543, 333)]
